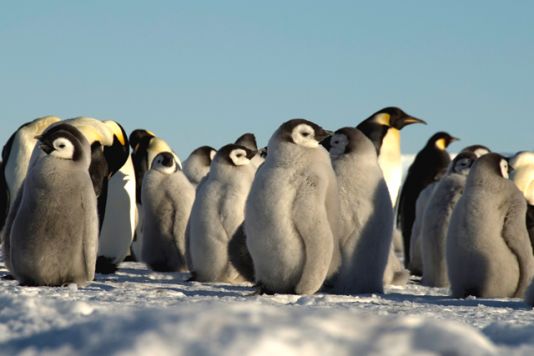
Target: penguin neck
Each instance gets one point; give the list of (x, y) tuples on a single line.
[(390, 151)]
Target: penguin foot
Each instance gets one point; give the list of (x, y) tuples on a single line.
[(193, 277), (105, 265), (8, 277), (259, 289)]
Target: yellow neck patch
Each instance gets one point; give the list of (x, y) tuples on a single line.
[(383, 119), (116, 130), (441, 144)]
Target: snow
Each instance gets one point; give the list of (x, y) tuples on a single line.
[(139, 312)]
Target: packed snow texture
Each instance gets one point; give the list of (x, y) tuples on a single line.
[(139, 312)]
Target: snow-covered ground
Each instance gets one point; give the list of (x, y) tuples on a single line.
[(144, 313)]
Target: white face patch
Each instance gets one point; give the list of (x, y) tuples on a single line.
[(479, 152), (159, 166), (239, 157), (462, 166), (304, 135), (63, 148), (212, 154), (504, 169), (338, 144)]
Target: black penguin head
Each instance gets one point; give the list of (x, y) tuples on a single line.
[(140, 138), (478, 150), (302, 132), (64, 141), (347, 140), (441, 140), (205, 154), (394, 117), (462, 163), (165, 163), (235, 155), (495, 164), (248, 140), (118, 152)]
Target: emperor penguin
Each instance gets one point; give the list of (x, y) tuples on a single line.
[(366, 213), (15, 160), (389, 156), (249, 141), (167, 201), (436, 217), (488, 251), (145, 147), (523, 177), (218, 214), (52, 231), (292, 212), (428, 166), (197, 165)]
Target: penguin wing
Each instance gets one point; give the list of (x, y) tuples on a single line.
[(6, 232), (239, 255), (311, 222), (516, 237)]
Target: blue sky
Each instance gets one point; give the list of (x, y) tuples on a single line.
[(204, 72)]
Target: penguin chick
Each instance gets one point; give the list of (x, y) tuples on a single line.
[(488, 250), (218, 213), (428, 166), (366, 214), (291, 211), (167, 201), (197, 165), (436, 218), (249, 141), (52, 232)]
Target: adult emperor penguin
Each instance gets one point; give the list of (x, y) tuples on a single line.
[(428, 166), (489, 254), (16, 158), (217, 216), (167, 201), (52, 230), (366, 213), (197, 165), (291, 211), (389, 156), (523, 177), (436, 217)]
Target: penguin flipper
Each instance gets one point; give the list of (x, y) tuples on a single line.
[(239, 255), (6, 232)]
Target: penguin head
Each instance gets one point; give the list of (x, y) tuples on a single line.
[(495, 164), (234, 155), (165, 163), (393, 117), (478, 150), (140, 138), (461, 164), (348, 140), (302, 133), (118, 152), (522, 159), (248, 140), (441, 140), (204, 155), (65, 142)]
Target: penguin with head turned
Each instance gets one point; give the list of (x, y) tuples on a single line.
[(248, 140), (436, 217), (428, 166), (217, 217), (167, 201), (197, 165), (488, 250), (16, 155), (51, 235), (292, 211), (366, 213), (523, 177)]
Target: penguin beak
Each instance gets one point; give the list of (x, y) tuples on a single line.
[(321, 134), (408, 120)]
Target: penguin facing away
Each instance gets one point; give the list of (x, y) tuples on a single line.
[(52, 232), (523, 177), (366, 213), (197, 165), (291, 212), (429, 165), (167, 201), (16, 155), (488, 251), (436, 219), (218, 213)]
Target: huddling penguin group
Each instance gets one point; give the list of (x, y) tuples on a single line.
[(313, 211)]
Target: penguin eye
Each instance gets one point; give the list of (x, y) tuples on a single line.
[(305, 133), (239, 155)]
